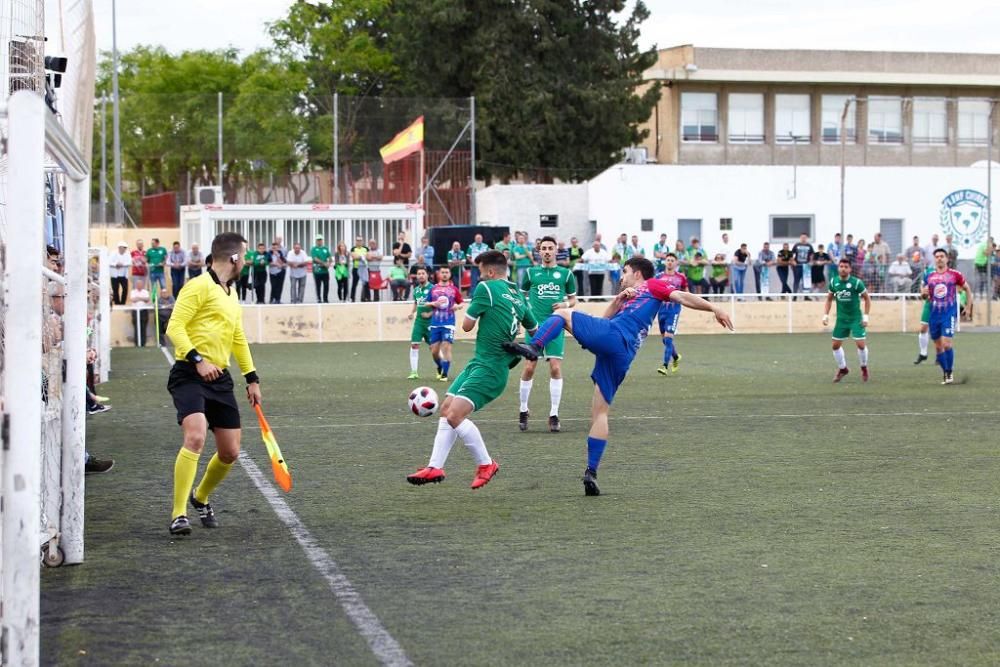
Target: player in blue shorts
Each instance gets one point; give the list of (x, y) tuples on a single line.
[(614, 340), (444, 299), (941, 288), (670, 315)]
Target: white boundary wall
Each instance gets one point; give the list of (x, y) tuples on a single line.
[(519, 207)]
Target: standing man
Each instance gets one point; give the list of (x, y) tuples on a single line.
[(196, 262), (498, 308), (476, 248), (669, 315), (575, 255), (915, 253), (614, 340), (941, 288), (762, 268), (786, 260), (298, 263), (444, 300), (243, 286), (320, 255), (156, 259), (521, 253), (803, 252), (547, 287), (276, 269), (140, 268), (371, 284), (177, 260), (206, 328), (259, 270), (836, 251), (119, 263), (949, 247), (503, 244), (660, 251), (929, 250), (881, 249), (848, 291), (597, 260), (427, 250), (421, 316), (741, 260), (456, 260), (359, 256), (401, 250), (634, 249)]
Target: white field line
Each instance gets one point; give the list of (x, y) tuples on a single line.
[(382, 644), (758, 416)]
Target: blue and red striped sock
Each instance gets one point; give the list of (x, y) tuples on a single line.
[(547, 331)]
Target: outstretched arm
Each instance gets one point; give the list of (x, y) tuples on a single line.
[(697, 303)]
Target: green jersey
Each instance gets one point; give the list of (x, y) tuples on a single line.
[(847, 293), (525, 255), (320, 255), (420, 295), (499, 308), (247, 261), (658, 248), (156, 258), (456, 256), (546, 286), (260, 262)]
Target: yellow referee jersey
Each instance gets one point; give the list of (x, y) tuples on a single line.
[(210, 321)]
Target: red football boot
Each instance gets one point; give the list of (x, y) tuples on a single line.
[(841, 374), (864, 373), (484, 474), (426, 476)]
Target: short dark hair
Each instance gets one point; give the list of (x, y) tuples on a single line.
[(226, 244), (937, 250), (670, 254), (491, 258), (547, 238), (642, 266), (844, 260), (422, 268)]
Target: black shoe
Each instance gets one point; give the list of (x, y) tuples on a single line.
[(180, 526), (205, 513), (522, 421), (554, 425), (97, 409), (98, 465), (590, 487), (529, 352), (921, 358), (948, 378)]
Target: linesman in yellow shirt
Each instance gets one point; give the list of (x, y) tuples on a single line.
[(206, 327)]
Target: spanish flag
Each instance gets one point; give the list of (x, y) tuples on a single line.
[(405, 143)]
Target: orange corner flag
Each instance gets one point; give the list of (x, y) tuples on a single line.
[(405, 143)]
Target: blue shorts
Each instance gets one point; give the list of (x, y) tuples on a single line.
[(942, 325), (442, 334), (613, 353), (669, 316)]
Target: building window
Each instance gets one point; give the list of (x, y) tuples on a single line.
[(973, 122), (833, 109), (726, 224), (746, 118), (885, 120), (548, 220), (791, 119), (930, 121), (699, 117), (646, 225), (790, 227)]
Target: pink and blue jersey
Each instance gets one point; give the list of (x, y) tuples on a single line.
[(677, 281), (943, 288), (442, 300), (637, 313)]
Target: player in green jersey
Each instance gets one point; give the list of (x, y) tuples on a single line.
[(924, 337), (499, 309), (421, 316), (848, 291), (548, 286)]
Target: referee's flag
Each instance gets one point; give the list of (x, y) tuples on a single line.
[(278, 466), (405, 143)]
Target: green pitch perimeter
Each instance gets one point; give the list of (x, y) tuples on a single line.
[(753, 513)]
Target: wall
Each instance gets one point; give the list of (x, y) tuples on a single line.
[(624, 194), (519, 207), (109, 236), (389, 322)]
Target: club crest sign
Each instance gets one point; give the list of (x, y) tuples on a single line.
[(964, 215)]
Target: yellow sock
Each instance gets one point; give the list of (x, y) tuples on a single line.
[(185, 470), (214, 474)]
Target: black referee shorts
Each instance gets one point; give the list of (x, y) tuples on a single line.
[(192, 395)]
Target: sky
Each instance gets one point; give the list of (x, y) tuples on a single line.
[(968, 26)]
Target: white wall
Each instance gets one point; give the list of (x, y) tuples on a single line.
[(519, 207), (624, 194)]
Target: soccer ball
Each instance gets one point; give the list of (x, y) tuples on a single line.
[(423, 402)]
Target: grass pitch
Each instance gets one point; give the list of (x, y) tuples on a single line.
[(753, 513)]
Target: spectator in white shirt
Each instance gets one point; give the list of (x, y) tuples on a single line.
[(297, 262), (119, 263), (139, 297), (900, 275), (598, 258), (196, 261)]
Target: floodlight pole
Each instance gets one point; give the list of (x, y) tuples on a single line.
[(472, 168), (336, 147), (104, 159), (221, 185), (119, 205)]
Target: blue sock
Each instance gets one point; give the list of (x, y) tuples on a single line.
[(547, 331), (595, 450), (949, 359), (437, 362), (445, 365), (939, 360), (668, 350)]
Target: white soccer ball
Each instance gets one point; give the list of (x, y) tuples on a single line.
[(423, 402)]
